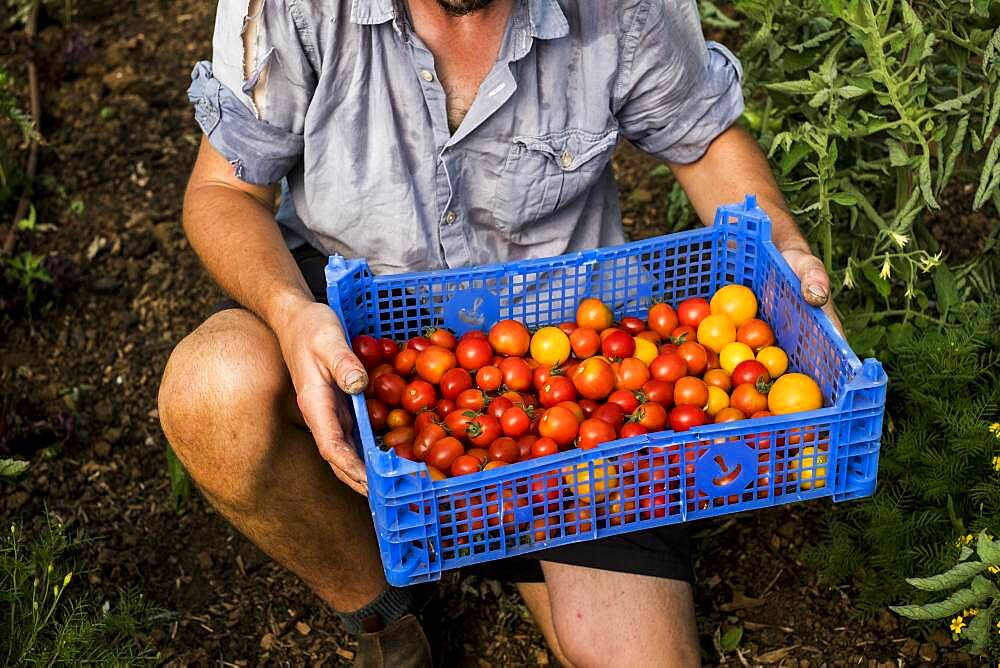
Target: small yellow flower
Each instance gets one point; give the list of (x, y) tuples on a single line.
[(994, 570), (957, 624), (996, 464), (962, 541), (886, 270), (995, 430), (971, 612), (900, 239)]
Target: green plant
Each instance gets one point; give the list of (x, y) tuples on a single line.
[(180, 484), (15, 128), (939, 469), (26, 270), (974, 601), (44, 620), (12, 468)]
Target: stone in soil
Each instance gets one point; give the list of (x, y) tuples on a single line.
[(928, 652)]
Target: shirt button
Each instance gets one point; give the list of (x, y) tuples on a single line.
[(450, 217), (427, 75), (566, 159)]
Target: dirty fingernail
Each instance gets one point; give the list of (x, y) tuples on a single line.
[(354, 381), (817, 292)]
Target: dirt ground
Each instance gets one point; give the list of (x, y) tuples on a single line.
[(79, 381)]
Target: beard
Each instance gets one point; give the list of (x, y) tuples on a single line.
[(463, 7)]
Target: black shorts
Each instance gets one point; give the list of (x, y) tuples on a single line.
[(663, 552)]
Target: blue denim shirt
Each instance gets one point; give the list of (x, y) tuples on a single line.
[(342, 99)]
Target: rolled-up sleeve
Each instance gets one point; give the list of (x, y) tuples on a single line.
[(678, 92), (251, 102)]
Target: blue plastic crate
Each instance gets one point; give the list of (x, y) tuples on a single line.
[(427, 527)]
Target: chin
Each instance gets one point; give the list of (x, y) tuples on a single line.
[(463, 7)]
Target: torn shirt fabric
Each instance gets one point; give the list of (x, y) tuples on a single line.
[(342, 100)]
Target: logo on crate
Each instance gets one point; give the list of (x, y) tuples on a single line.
[(725, 467), (471, 309)]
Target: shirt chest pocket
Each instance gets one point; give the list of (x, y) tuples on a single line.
[(543, 174)]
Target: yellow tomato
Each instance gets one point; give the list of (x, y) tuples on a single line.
[(774, 359), (716, 331), (736, 301), (812, 470), (645, 350), (580, 482), (792, 393), (733, 354), (550, 345), (717, 400)]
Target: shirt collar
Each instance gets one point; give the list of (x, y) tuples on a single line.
[(546, 19)]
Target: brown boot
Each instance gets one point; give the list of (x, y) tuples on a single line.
[(402, 644)]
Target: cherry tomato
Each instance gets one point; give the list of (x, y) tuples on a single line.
[(515, 398), (404, 450), (593, 378), (550, 345), (645, 350), (471, 400), (630, 374), (368, 350), (651, 416), (489, 378), (556, 390), (559, 424), (479, 453), (423, 419), (398, 435), (433, 362), (458, 421), (718, 399), (610, 413), (594, 314), (618, 345), (625, 399), (729, 414), (733, 354), (541, 374), (443, 407), (524, 446), (692, 311), (736, 301), (588, 406), (454, 382), (573, 408), (659, 391), (498, 406), (683, 418), (418, 395), (441, 337), (746, 398), (473, 354), (543, 446), (504, 449), (662, 319), (774, 359), (517, 374), (464, 465), (389, 349), (651, 336), (398, 417), (683, 333), (690, 391), (713, 360), (669, 367), (585, 342), (436, 474), (378, 415), (515, 422), (630, 429), (593, 432), (718, 378), (419, 343), (483, 430), (755, 333), (405, 362), (425, 440), (473, 334), (791, 393), (633, 325), (750, 371), (695, 357), (509, 337), (761, 414), (715, 331), (668, 349), (567, 327)]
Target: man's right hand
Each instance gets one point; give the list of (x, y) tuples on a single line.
[(323, 367)]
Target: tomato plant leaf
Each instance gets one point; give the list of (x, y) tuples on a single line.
[(990, 176), (897, 154), (950, 579), (866, 340), (977, 632), (871, 273), (954, 604), (731, 639), (10, 468), (945, 287), (988, 549)]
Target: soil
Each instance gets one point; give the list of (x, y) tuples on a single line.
[(79, 380)]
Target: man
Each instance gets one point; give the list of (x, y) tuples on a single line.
[(424, 134)]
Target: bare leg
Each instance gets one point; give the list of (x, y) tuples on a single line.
[(228, 410), (536, 597)]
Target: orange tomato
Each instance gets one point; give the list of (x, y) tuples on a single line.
[(630, 374), (690, 391), (715, 331), (718, 378), (792, 393), (737, 301), (509, 337), (755, 333), (594, 314), (585, 342)]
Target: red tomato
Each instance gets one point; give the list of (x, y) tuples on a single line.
[(662, 319), (458, 421), (659, 391), (471, 400), (750, 371), (592, 313), (755, 333), (404, 450), (593, 432), (588, 406), (434, 362), (423, 419), (691, 391), (633, 325), (625, 399), (516, 374), (425, 440), (389, 349), (668, 348), (556, 390), (443, 407), (649, 335), (670, 367), (498, 406), (630, 374), (454, 382), (651, 416), (509, 337), (541, 374), (594, 378), (418, 395), (695, 356), (483, 430), (515, 422), (489, 379), (479, 453), (441, 337), (729, 414), (748, 399), (405, 362), (398, 435), (515, 398), (713, 360), (368, 350), (504, 449), (683, 418), (419, 343), (524, 446), (610, 413), (398, 417), (585, 342), (378, 415), (559, 424), (473, 354), (573, 408), (618, 345), (630, 429), (567, 327), (719, 378), (692, 311), (543, 446), (683, 333), (464, 465)]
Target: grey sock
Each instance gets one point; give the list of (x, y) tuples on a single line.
[(390, 605)]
